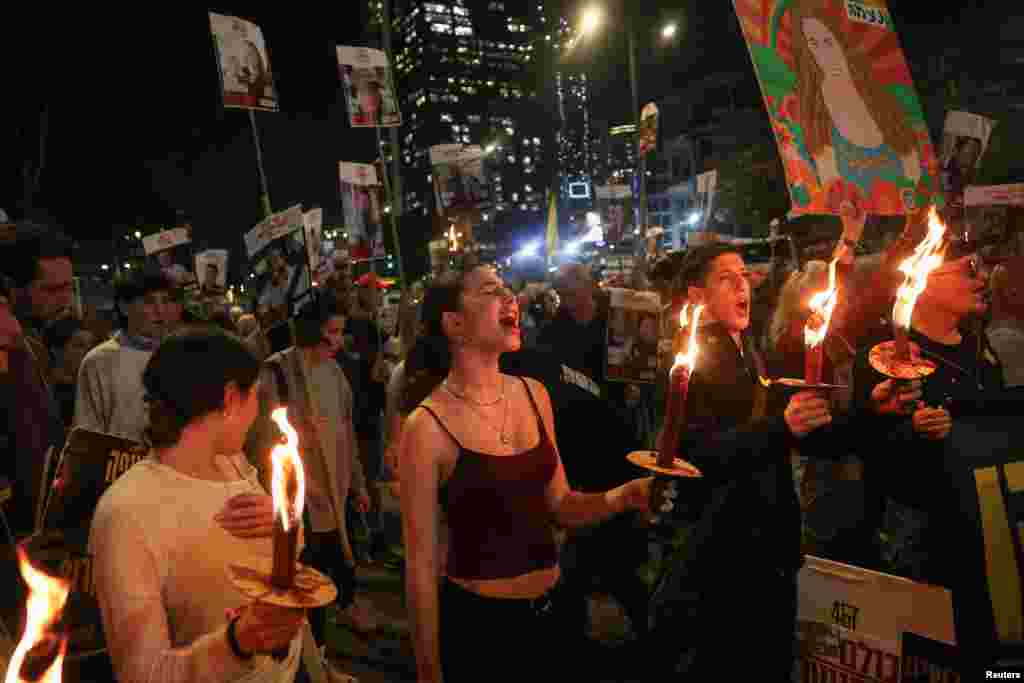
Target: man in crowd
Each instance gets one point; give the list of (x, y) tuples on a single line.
[(742, 551), (110, 397), (365, 360), (935, 499), (38, 262), (31, 429)]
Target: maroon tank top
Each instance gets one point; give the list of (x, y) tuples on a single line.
[(499, 525)]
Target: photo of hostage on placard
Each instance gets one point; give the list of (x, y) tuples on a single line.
[(170, 252), (368, 88), (212, 267), (634, 321), (965, 138), (848, 123), (244, 67)]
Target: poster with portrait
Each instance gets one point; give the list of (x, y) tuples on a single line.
[(277, 258), (313, 225), (615, 203), (648, 128), (849, 126), (634, 329), (707, 184), (460, 184), (170, 251), (212, 272), (246, 79), (366, 77), (361, 199), (965, 138)]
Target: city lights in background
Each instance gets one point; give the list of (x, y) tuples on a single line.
[(530, 251), (694, 218), (669, 31)]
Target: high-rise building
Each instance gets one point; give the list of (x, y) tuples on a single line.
[(573, 100), (465, 74)]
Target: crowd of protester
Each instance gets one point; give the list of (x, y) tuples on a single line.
[(491, 415)]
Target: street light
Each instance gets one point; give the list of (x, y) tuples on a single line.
[(669, 31), (138, 235)]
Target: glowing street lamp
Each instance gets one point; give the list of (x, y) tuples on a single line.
[(591, 20), (668, 32)]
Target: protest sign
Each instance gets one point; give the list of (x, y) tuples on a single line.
[(170, 251), (278, 261), (212, 269), (615, 203), (89, 464), (841, 100), (360, 197), (313, 222), (850, 621), (369, 91), (460, 185), (246, 79), (634, 325), (648, 128)]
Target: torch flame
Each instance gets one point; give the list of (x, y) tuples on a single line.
[(690, 357), (46, 599), (286, 463), (917, 268), (822, 304), (453, 239)]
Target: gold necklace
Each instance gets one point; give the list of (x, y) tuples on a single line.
[(502, 436)]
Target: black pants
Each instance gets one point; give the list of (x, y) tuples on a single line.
[(703, 626), (498, 639), (591, 565), (323, 552)]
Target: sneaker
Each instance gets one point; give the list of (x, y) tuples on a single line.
[(358, 617)]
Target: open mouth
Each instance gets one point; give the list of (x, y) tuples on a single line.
[(743, 308), (510, 321)]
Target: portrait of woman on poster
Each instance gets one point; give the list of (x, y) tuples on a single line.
[(854, 128)]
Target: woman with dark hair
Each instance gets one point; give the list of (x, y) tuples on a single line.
[(484, 441), (159, 545)]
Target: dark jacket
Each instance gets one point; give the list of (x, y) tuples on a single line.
[(927, 495)]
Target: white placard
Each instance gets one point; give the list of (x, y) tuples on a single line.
[(272, 228)]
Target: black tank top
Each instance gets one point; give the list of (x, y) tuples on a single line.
[(498, 518)]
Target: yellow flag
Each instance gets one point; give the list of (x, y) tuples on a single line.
[(552, 232)]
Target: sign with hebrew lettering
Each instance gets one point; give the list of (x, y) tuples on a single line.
[(849, 126), (89, 464)]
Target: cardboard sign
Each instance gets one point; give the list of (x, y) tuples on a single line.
[(849, 126), (634, 326), (89, 464), (246, 79), (361, 200), (368, 87), (212, 269), (170, 251), (850, 621)]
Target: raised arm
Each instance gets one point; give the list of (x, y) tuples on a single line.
[(419, 469)]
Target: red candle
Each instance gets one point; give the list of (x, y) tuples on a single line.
[(675, 411), (813, 359), (678, 387)]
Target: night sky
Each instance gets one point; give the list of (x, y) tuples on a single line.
[(136, 130)]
